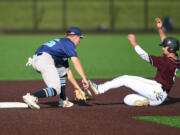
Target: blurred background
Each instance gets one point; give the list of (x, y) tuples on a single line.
[(90, 15)]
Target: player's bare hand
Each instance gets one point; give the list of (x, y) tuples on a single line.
[(85, 84), (159, 23), (132, 39)]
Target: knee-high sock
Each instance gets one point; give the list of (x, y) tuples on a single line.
[(63, 93), (47, 92), (63, 87)]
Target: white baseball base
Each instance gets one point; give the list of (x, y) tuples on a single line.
[(13, 105)]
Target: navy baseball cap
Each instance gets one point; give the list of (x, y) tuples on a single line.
[(74, 31)]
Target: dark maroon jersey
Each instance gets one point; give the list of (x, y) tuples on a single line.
[(167, 68)]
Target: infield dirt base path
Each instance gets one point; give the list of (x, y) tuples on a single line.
[(105, 114)]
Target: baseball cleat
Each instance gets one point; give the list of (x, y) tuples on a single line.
[(144, 102), (65, 103), (94, 87), (31, 101)]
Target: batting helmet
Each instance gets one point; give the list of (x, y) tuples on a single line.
[(172, 43)]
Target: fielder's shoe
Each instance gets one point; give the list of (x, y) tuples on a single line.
[(144, 102), (31, 101), (94, 87), (65, 103)]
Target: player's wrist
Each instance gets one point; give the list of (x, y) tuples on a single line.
[(134, 44)]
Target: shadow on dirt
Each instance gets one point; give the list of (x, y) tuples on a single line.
[(55, 103), (108, 103), (171, 100)]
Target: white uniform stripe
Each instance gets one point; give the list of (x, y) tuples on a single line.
[(46, 93)]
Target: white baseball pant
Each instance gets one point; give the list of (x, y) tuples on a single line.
[(44, 64), (145, 89)]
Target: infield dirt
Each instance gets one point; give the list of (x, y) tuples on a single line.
[(105, 114)]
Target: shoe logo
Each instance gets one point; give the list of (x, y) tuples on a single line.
[(159, 95)]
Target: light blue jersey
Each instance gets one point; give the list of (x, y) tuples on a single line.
[(60, 49)]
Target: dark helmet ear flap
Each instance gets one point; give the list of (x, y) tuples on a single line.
[(171, 50)]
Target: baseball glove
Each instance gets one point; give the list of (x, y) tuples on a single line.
[(87, 93), (81, 94)]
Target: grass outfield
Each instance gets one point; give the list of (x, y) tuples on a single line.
[(102, 56), (173, 121)]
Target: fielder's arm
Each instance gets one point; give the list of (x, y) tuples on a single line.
[(80, 71), (144, 55), (80, 94), (72, 79), (159, 27)]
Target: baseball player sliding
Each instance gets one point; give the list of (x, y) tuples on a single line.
[(51, 60), (149, 92)]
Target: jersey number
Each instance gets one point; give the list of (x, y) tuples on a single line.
[(51, 43), (175, 73)]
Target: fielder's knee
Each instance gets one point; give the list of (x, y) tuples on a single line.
[(62, 83), (58, 91)]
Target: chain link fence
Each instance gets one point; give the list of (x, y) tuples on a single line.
[(90, 15)]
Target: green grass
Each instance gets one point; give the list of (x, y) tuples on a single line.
[(102, 56), (173, 121)]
